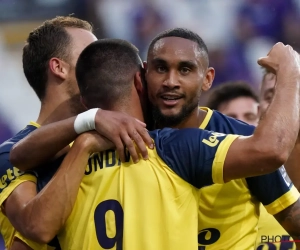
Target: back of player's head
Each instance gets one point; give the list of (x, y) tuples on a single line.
[(105, 72), (229, 91), (181, 33), (49, 40)]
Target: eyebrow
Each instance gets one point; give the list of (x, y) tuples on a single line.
[(158, 61), (190, 64)]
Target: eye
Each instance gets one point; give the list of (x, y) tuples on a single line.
[(161, 69), (185, 70), (251, 117)]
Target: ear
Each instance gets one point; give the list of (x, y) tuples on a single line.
[(138, 84), (83, 102), (145, 65), (59, 68), (209, 78)]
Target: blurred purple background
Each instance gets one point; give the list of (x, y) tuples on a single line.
[(236, 33)]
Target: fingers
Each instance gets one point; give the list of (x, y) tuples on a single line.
[(262, 61), (279, 55), (125, 131), (120, 148), (145, 137), (130, 146), (141, 146), (139, 137), (142, 138), (268, 64), (142, 123)]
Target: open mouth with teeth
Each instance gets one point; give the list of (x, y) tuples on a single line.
[(170, 100)]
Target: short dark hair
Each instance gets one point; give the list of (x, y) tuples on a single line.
[(48, 40), (182, 33), (228, 91), (105, 70)]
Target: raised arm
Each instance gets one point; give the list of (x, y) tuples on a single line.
[(292, 164), (40, 216), (276, 134), (46, 142), (289, 219), (202, 157)]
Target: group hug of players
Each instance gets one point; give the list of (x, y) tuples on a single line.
[(122, 157)]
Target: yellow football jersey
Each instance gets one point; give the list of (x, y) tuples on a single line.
[(151, 205), (7, 230), (271, 235), (229, 213), (10, 178)]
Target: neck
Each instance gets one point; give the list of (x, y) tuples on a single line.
[(130, 110), (57, 106), (130, 106), (194, 120)]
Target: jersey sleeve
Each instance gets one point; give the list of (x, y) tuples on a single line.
[(195, 155), (10, 177), (275, 191), (30, 243), (14, 184)]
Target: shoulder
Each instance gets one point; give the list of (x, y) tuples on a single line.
[(8, 173), (191, 152), (6, 146), (226, 124), (168, 137)]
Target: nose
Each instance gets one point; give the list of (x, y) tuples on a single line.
[(172, 80)]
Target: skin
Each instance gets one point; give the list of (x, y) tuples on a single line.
[(266, 92), (62, 99), (24, 207), (266, 95), (177, 69), (241, 108), (264, 146), (167, 76), (59, 103)]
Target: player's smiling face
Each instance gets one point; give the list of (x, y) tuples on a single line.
[(175, 73)]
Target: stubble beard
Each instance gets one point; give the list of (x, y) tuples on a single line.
[(162, 121)]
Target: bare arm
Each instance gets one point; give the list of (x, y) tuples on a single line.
[(44, 143), (40, 216), (292, 165), (19, 245), (275, 136), (289, 219)]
